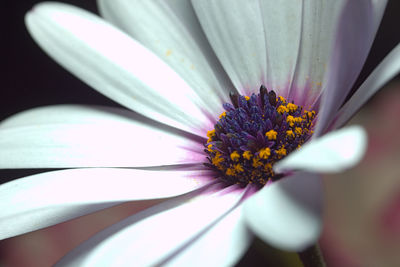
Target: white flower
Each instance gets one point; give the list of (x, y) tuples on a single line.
[(306, 51)]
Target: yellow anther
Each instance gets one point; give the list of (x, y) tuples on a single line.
[(268, 167), (217, 159), (247, 97), (235, 156), (298, 119), (210, 135), (290, 133), (238, 168), (265, 152), (290, 120), (271, 135), (282, 109), (209, 148), (298, 130), (310, 114), (247, 155), (223, 114), (281, 151), (230, 171), (292, 107), (256, 162)]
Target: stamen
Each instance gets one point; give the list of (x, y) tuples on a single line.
[(271, 135)]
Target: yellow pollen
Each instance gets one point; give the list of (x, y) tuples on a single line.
[(265, 152), (292, 107), (290, 120), (238, 168), (268, 167), (247, 155), (281, 151), (271, 135), (298, 130), (256, 162), (298, 119), (290, 133), (217, 159), (310, 114), (210, 135), (230, 172), (282, 109), (247, 97), (223, 114), (209, 147), (235, 156)]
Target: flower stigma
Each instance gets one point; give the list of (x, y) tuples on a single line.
[(253, 133)]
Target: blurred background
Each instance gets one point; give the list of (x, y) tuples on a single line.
[(362, 214)]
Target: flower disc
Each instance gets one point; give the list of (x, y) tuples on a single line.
[(253, 133)]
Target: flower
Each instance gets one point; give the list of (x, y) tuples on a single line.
[(308, 52)]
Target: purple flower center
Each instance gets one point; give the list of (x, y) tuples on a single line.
[(253, 133)]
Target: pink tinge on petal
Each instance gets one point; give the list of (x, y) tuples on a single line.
[(390, 218), (306, 97), (384, 72), (334, 251), (355, 33)]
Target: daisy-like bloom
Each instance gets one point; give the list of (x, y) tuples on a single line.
[(236, 99)]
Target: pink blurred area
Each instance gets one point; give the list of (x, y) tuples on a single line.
[(362, 215)]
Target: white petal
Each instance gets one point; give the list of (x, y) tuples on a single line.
[(235, 31), (41, 200), (90, 136), (282, 28), (287, 213), (144, 240), (385, 71), (356, 30), (223, 245), (115, 65), (332, 152), (318, 21), (171, 30), (298, 36)]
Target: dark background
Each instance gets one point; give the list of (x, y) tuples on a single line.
[(29, 78)]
